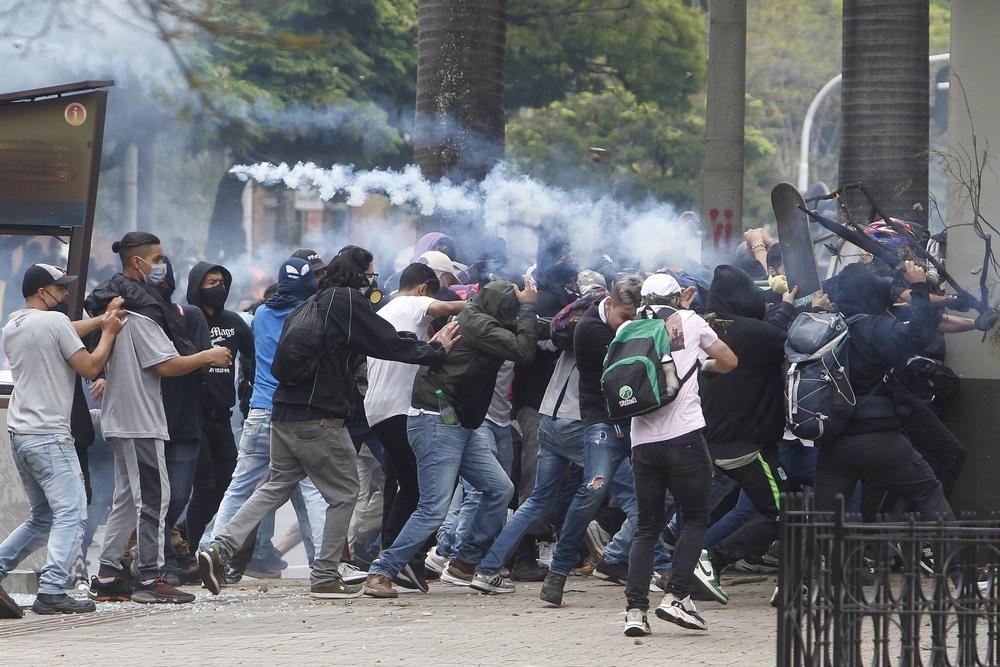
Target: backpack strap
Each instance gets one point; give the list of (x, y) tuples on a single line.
[(687, 376), (562, 394)]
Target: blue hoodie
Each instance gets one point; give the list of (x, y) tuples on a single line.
[(296, 283)]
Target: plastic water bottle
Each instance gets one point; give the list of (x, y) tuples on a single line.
[(448, 415)]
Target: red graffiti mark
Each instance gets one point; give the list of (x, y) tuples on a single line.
[(714, 215), (729, 226)]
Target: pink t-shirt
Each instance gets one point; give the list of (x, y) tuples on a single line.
[(690, 336)]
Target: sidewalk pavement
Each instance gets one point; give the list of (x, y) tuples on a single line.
[(267, 622)]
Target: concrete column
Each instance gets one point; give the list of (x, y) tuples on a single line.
[(130, 189), (722, 201), (975, 414)]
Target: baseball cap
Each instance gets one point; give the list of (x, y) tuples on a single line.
[(310, 256), (660, 284), (440, 262), (42, 275)]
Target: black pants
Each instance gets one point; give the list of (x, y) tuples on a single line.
[(886, 459), (935, 442), (216, 463), (683, 466), (399, 463), (764, 482)]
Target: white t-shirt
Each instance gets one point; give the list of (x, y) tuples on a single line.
[(39, 344), (390, 383), (690, 336)]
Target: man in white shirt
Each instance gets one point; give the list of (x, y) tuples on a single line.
[(669, 451), (387, 402)]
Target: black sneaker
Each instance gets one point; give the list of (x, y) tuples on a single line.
[(212, 567), (927, 560), (47, 604), (158, 592), (9, 608), (117, 590), (407, 578), (614, 572), (552, 588), (525, 570), (188, 574), (232, 576)]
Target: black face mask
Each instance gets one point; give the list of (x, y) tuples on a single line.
[(60, 307), (214, 297)]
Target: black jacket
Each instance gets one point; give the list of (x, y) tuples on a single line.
[(225, 329), (145, 300), (182, 394), (744, 409), (591, 340), (468, 376), (352, 329)]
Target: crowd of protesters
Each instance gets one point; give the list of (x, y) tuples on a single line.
[(448, 429)]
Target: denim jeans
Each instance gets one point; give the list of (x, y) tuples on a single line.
[(465, 502), (443, 453), (53, 482), (560, 445), (254, 457), (606, 469)]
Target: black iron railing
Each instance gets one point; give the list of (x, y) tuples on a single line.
[(852, 593)]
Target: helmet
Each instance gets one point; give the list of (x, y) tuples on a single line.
[(885, 235)]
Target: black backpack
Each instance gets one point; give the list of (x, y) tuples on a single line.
[(302, 342), (819, 399)]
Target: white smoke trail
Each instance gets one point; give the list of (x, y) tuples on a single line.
[(651, 230)]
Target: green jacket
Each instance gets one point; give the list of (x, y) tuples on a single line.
[(469, 372)]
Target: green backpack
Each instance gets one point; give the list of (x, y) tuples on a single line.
[(639, 373)]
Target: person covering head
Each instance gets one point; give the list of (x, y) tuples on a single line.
[(861, 292), (660, 285), (589, 281), (733, 292), (434, 241), (40, 276), (296, 283)]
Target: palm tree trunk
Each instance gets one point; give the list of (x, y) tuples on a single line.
[(460, 87), (885, 105)]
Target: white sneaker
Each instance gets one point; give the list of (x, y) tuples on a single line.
[(680, 612), (545, 551), (491, 583), (350, 574), (636, 624), (435, 562)]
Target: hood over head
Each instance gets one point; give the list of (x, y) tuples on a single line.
[(430, 241), (861, 292), (197, 274), (733, 292), (296, 283), (497, 300), (169, 284)]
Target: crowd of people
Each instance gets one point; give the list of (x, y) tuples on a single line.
[(452, 427)]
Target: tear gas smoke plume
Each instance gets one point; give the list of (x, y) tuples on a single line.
[(651, 233)]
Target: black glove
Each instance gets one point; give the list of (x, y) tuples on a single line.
[(987, 320), (961, 303)]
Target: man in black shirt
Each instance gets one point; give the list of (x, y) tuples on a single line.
[(208, 289)]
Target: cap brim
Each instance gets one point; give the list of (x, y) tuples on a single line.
[(65, 280)]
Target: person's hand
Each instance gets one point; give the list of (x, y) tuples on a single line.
[(688, 295), (754, 237), (913, 273), (220, 356), (529, 294), (448, 335), (791, 295), (112, 322), (97, 389), (987, 320), (117, 303), (821, 301)]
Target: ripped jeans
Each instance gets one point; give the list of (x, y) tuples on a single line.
[(606, 469)]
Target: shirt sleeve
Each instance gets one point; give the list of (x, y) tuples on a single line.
[(151, 345), (704, 334), (69, 341)]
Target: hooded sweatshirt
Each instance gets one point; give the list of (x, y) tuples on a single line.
[(225, 329), (469, 373), (744, 409)]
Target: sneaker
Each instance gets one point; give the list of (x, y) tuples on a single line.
[(158, 592), (774, 598), (706, 575), (172, 579), (614, 572), (597, 539), (552, 588), (927, 560), (232, 576), (379, 586), (680, 612), (9, 608), (458, 573), (350, 574), (118, 590), (188, 574), (586, 569), (407, 578), (336, 589), (658, 583), (212, 567), (526, 570), (755, 565), (46, 604), (636, 624), (435, 562), (491, 583), (545, 551), (670, 537), (256, 571)]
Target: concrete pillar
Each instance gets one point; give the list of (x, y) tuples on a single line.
[(975, 414), (722, 201), (130, 189)]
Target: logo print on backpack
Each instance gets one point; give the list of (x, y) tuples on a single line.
[(627, 396)]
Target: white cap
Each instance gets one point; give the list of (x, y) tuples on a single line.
[(438, 261), (660, 284)]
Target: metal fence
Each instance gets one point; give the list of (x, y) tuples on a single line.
[(852, 593)]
